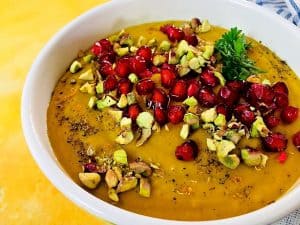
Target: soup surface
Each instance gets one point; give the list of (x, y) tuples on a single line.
[(202, 189)]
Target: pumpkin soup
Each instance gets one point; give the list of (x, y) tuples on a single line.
[(178, 120)]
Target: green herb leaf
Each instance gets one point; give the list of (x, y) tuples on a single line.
[(232, 47)]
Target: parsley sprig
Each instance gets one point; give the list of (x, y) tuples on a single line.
[(233, 49)]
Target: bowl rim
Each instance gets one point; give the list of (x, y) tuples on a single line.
[(103, 209)]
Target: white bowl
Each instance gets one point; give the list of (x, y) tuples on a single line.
[(276, 33)]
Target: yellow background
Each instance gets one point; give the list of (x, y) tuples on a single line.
[(26, 196)]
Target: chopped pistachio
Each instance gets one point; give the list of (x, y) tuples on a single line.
[(190, 101), (106, 102), (122, 103), (113, 38), (131, 98), (116, 114), (205, 26), (88, 58), (191, 119), (194, 63), (118, 172), (259, 128), (220, 120), (145, 120), (233, 136), (125, 137), (209, 50), (220, 77), (126, 39), (182, 70), (140, 168), (112, 194), (145, 187), (266, 82), (122, 51), (211, 144), (185, 131), (92, 102), (125, 123), (182, 48), (87, 75), (172, 59), (111, 178), (145, 135), (90, 180), (100, 87), (133, 49), (164, 46), (209, 115), (159, 60), (190, 55), (120, 156), (75, 66), (152, 43), (87, 88), (224, 147), (230, 161), (184, 61), (208, 126), (141, 41), (126, 184), (253, 158), (113, 93), (133, 78)]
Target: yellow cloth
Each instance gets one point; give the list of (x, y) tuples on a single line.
[(26, 196)]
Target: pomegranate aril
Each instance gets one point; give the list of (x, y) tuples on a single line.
[(137, 64), (271, 121), (179, 91), (260, 93), (124, 86), (223, 109), (282, 157), (168, 78), (145, 52), (243, 113), (289, 114), (175, 113), (110, 83), (160, 115), (280, 87), (107, 56), (123, 67), (235, 85), (145, 74), (133, 111), (168, 66), (101, 46), (159, 98), (193, 88), (187, 151), (207, 98), (191, 39), (208, 78), (281, 100), (90, 167), (275, 142), (296, 140), (106, 68), (155, 69), (145, 86), (173, 33), (227, 96)]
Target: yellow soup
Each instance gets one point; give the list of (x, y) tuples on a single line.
[(197, 190)]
